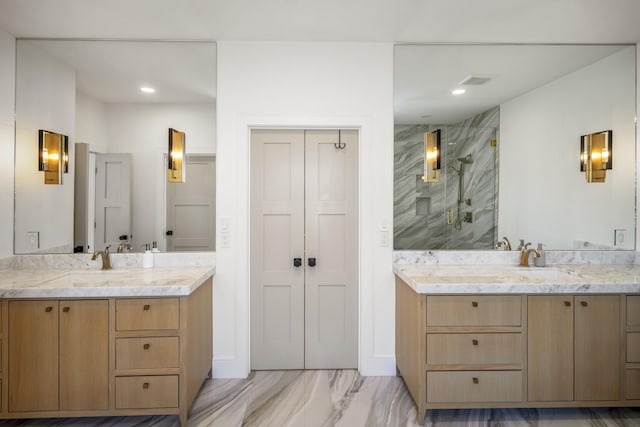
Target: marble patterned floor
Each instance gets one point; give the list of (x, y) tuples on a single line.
[(337, 399)]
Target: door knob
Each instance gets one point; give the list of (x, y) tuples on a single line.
[(169, 233), (312, 262), (297, 262)]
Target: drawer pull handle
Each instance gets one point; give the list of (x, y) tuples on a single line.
[(146, 307), (145, 386), (66, 309), (48, 309), (476, 380), (567, 303), (475, 342), (584, 303), (146, 346), (474, 303)]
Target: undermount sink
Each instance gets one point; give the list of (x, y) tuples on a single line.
[(92, 277), (545, 273)]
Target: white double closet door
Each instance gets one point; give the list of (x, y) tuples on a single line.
[(304, 249)]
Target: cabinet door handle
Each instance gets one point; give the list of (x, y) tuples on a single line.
[(146, 307), (474, 303), (476, 380), (297, 262), (475, 342), (312, 262), (584, 303), (567, 303), (65, 309), (48, 309), (145, 386), (146, 346)]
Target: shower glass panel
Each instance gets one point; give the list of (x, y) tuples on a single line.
[(459, 212)]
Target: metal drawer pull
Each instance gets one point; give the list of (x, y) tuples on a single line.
[(146, 307), (567, 303), (146, 346), (145, 386), (475, 342), (48, 309), (474, 303), (476, 380), (584, 303), (66, 309)]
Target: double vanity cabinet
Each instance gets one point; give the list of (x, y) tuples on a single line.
[(106, 355), (472, 347)]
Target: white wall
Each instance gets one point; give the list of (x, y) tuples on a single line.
[(543, 195), (7, 104), (142, 129), (91, 122), (46, 99), (304, 85)]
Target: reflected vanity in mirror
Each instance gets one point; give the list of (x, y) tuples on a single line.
[(115, 100), (509, 118)]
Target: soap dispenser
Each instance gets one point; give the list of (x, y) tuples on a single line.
[(147, 257), (540, 260)]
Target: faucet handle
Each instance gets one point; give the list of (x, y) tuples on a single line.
[(106, 249)]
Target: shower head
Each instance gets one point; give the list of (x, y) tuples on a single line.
[(466, 159)]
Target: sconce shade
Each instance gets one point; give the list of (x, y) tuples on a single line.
[(596, 155), (53, 155), (176, 156), (432, 156)]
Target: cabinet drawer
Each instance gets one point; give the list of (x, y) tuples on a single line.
[(474, 349), (147, 392), (633, 383), (633, 310), (633, 347), (474, 386), (147, 313), (147, 353), (494, 310)]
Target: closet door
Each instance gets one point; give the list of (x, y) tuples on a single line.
[(277, 237), (331, 237)]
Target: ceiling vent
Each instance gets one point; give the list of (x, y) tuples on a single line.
[(476, 80)]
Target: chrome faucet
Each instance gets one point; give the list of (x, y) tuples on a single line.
[(504, 244), (524, 254), (106, 262)]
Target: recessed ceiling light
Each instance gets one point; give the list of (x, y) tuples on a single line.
[(147, 89), (458, 91)]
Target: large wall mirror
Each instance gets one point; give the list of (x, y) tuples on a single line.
[(511, 119), (115, 101)]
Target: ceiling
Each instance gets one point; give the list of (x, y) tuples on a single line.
[(515, 21)]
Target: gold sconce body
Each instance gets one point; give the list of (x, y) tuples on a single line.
[(53, 156), (432, 156), (596, 155), (176, 156)]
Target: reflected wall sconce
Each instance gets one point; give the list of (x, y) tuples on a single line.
[(596, 155), (53, 155), (432, 156), (176, 156)]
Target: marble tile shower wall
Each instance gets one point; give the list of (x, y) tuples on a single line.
[(420, 209)]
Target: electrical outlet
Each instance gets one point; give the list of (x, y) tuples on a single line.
[(33, 239), (225, 240), (618, 236)]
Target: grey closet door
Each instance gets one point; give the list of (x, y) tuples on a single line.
[(331, 237), (304, 205), (277, 237)]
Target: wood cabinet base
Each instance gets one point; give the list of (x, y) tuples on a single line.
[(517, 350), (129, 356)]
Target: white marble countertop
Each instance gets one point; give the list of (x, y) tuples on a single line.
[(120, 282), (499, 279)]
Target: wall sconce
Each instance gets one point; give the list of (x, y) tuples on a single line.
[(596, 155), (53, 155), (176, 155), (432, 155)]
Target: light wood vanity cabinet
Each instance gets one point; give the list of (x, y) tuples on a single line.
[(111, 356), (517, 350)]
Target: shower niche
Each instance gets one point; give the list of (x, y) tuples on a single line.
[(459, 210)]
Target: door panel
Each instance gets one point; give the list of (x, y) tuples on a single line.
[(113, 199), (191, 207), (277, 236), (331, 221)]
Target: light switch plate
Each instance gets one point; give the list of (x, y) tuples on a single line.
[(618, 237)]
